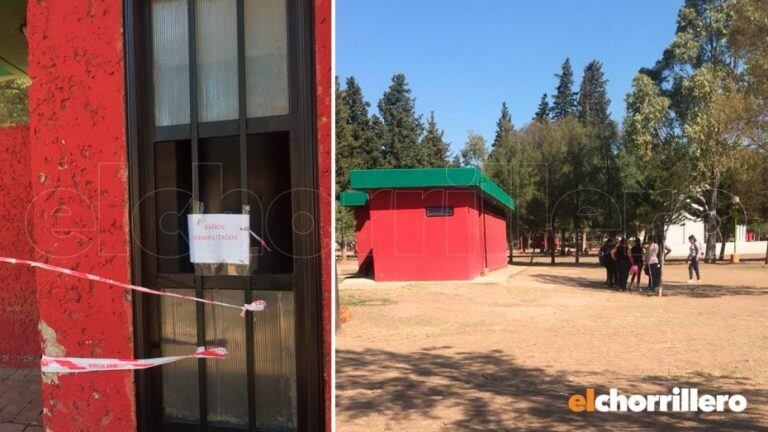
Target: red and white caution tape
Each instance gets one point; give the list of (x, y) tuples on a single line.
[(255, 306), (74, 364)]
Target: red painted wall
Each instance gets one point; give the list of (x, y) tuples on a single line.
[(324, 90), (78, 148), (409, 246), (19, 345), (498, 248)]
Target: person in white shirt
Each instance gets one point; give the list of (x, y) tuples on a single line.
[(693, 256)]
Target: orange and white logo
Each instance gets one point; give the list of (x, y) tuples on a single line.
[(680, 400)]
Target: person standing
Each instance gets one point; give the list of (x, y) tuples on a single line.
[(636, 256), (606, 259), (652, 262), (694, 253), (621, 258)]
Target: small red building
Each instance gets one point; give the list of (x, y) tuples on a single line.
[(428, 223)]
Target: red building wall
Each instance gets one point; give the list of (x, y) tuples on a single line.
[(19, 344), (498, 247), (408, 245), (324, 89), (78, 147)]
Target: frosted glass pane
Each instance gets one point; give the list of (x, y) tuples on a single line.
[(217, 60), (266, 57), (227, 387), (170, 66), (179, 337), (275, 361)]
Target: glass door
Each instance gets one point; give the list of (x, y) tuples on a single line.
[(222, 126)]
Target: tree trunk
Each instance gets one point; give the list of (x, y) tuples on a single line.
[(710, 219), (343, 249), (722, 244)]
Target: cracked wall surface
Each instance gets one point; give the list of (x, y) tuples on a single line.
[(78, 158), (19, 345)]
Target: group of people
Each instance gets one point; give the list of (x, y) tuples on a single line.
[(621, 262)]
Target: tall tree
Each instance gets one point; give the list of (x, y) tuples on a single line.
[(504, 158), (345, 149), (475, 152), (505, 164), (436, 150), (364, 145), (703, 77), (598, 154), (652, 145), (542, 112), (564, 101), (593, 102), (345, 160), (402, 127)]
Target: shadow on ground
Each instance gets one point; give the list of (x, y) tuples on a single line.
[(670, 288), (490, 391)]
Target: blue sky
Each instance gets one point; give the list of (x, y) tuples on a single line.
[(464, 58)]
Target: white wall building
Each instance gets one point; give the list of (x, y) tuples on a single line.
[(677, 239)]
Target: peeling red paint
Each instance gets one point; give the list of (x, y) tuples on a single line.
[(78, 159), (324, 88), (19, 344)]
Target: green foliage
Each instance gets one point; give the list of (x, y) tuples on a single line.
[(593, 102), (402, 127), (14, 102), (436, 150), (564, 101), (542, 112), (345, 225), (475, 152)]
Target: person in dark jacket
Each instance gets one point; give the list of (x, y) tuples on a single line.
[(606, 259), (622, 260)]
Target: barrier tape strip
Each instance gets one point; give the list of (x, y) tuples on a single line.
[(75, 365), (255, 306)]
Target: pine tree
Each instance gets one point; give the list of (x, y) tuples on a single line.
[(504, 158), (436, 150), (542, 112), (344, 143), (593, 97), (364, 147), (504, 128), (564, 102), (402, 127)]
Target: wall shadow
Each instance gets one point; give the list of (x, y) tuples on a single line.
[(491, 391)]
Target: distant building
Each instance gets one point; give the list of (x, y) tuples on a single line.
[(429, 223)]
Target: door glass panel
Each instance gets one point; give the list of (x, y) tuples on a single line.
[(275, 361), (219, 169), (269, 187), (170, 61), (266, 57), (173, 195), (179, 337), (227, 388), (217, 60)]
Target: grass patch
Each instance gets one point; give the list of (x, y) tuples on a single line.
[(350, 300)]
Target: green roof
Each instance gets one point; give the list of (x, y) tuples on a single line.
[(425, 178), (353, 198)]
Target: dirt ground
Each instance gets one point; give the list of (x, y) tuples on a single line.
[(507, 355)]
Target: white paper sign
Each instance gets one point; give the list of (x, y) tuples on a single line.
[(219, 238)]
